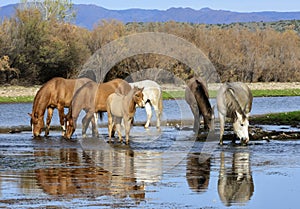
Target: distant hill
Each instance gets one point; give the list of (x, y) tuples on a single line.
[(89, 15)]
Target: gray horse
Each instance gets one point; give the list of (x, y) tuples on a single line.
[(234, 100)]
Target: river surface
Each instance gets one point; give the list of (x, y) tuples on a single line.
[(158, 169)]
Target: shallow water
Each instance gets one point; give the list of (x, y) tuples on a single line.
[(158, 169), (16, 114), (166, 169)]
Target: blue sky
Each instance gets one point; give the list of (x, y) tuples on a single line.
[(233, 5)]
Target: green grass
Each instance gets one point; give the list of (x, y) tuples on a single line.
[(178, 95), (19, 99), (256, 93), (284, 118), (276, 92)]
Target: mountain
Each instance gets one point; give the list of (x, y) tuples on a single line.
[(89, 15)]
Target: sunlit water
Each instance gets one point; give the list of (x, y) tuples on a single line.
[(159, 169), (16, 114)]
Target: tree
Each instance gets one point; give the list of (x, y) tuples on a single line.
[(61, 10)]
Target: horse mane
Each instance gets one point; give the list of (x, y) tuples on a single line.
[(201, 88), (36, 101), (232, 102)]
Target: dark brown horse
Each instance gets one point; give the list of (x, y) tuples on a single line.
[(56, 93), (92, 99), (196, 95)]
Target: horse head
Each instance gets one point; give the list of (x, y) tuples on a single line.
[(209, 119), (138, 96), (37, 123), (240, 127), (70, 127)]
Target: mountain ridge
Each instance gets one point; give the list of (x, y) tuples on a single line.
[(89, 14)]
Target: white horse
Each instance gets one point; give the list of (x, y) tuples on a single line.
[(152, 97), (234, 100)]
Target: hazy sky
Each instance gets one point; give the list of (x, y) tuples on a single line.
[(233, 5)]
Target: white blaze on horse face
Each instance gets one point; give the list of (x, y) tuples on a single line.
[(240, 127)]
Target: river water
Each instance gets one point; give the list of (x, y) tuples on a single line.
[(158, 169)]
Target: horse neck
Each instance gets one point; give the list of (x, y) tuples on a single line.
[(130, 103), (39, 106), (233, 102), (203, 100)]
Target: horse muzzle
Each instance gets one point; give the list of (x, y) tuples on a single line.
[(244, 140), (141, 104)]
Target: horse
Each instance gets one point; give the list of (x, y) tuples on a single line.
[(123, 107), (152, 97), (92, 99), (196, 95), (56, 93), (234, 100)]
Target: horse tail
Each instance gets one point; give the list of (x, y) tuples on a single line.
[(160, 103)]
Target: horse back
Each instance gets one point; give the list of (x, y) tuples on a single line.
[(152, 90), (106, 89), (84, 98), (233, 97), (62, 90), (114, 104), (196, 93)]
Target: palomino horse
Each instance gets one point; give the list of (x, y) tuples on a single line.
[(196, 95), (56, 93), (123, 107), (234, 100), (152, 97), (92, 99)]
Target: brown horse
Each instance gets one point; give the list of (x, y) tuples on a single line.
[(92, 99), (123, 107), (56, 93), (196, 95)]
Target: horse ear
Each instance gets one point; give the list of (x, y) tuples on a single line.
[(142, 89), (239, 116), (30, 115)]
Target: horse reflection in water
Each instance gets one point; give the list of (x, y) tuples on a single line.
[(198, 171), (235, 185), (82, 178)]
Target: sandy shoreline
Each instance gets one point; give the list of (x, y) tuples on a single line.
[(16, 91)]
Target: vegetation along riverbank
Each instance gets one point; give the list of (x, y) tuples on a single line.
[(10, 93)]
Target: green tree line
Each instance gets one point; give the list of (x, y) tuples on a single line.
[(40, 48)]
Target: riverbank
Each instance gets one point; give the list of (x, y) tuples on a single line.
[(9, 94)]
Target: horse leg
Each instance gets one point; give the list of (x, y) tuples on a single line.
[(110, 125), (196, 114), (127, 124), (222, 125), (61, 118), (118, 128), (48, 120), (158, 115), (94, 127), (149, 114), (85, 123)]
